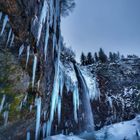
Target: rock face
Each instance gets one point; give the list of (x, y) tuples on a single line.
[(20, 14), (11, 74), (36, 24), (120, 92), (14, 85), (119, 95)]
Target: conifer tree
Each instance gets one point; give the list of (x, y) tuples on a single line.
[(83, 59), (90, 59), (96, 57), (102, 56)]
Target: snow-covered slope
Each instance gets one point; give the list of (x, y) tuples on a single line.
[(128, 130), (63, 137)]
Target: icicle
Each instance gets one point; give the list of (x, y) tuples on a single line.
[(42, 20), (38, 85), (28, 135), (25, 98), (21, 49), (20, 107), (9, 35), (38, 116), (34, 70), (5, 115), (28, 55), (31, 106), (75, 102), (0, 15), (48, 130), (56, 86), (58, 8), (110, 101), (68, 85), (54, 43), (59, 110), (44, 129), (56, 15), (45, 112), (51, 11), (12, 39), (61, 82), (2, 102), (55, 23), (46, 40), (4, 24), (55, 93)]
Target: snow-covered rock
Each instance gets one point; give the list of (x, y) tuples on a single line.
[(128, 130)]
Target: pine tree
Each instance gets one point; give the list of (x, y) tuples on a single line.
[(115, 57), (102, 56), (96, 57), (111, 57), (90, 59), (83, 59), (118, 55)]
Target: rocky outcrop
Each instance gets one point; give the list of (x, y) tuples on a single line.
[(32, 26), (120, 92)]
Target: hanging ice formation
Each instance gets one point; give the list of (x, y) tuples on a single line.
[(38, 115), (12, 40), (25, 98), (34, 70), (51, 11), (21, 49), (23, 102), (92, 84), (56, 95), (28, 135), (2, 103), (46, 38), (9, 35), (61, 73), (59, 109), (76, 102), (42, 19), (28, 54), (109, 99), (5, 116), (5, 20), (44, 127)]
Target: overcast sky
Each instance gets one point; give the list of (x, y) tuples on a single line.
[(113, 25)]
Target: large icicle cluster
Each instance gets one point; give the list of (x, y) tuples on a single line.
[(42, 19), (10, 38), (71, 83), (64, 75), (38, 116)]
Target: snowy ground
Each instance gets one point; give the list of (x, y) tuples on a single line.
[(128, 130), (62, 137)]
